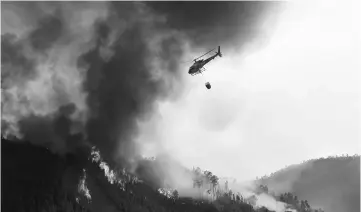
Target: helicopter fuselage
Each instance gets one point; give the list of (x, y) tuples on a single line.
[(197, 66)]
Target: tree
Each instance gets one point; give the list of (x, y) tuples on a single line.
[(296, 202), (175, 194), (198, 179), (307, 205), (214, 182), (303, 206), (282, 198), (209, 176)]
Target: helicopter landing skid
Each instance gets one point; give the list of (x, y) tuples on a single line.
[(199, 72)]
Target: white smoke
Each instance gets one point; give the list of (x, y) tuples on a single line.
[(267, 201), (249, 191)]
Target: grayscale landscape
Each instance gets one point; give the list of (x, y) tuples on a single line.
[(180, 106)]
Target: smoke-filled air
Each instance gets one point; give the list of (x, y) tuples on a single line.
[(100, 110)]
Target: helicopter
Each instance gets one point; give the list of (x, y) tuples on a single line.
[(198, 65)]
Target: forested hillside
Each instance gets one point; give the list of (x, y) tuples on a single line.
[(332, 183), (34, 179)]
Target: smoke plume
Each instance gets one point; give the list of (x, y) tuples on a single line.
[(236, 26), (42, 96), (84, 70), (78, 74)]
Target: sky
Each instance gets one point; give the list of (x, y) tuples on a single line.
[(294, 99)]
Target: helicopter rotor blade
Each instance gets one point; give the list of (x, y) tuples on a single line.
[(189, 61), (205, 54)]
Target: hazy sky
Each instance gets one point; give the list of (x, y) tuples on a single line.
[(295, 99)]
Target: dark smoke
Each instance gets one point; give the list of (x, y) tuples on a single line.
[(127, 61), (121, 84), (231, 24), (36, 105), (123, 89), (15, 65), (53, 131), (48, 31)]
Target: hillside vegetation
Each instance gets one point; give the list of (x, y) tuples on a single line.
[(34, 179), (332, 183)]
